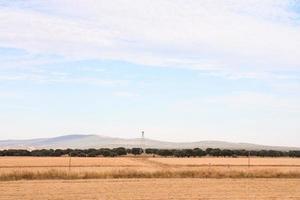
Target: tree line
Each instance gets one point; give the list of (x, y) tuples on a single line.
[(106, 152)]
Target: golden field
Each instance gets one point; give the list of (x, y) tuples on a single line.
[(17, 168), (149, 178), (154, 189)]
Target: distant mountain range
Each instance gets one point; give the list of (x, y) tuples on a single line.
[(96, 141)]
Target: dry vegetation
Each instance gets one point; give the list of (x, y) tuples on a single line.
[(221, 161), (31, 168), (132, 178), (131, 189), (212, 173)]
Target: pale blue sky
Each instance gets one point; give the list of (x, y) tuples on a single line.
[(179, 70)]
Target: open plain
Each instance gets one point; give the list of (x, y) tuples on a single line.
[(131, 189), (149, 178), (144, 165)]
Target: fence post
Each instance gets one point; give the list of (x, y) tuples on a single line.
[(70, 163)]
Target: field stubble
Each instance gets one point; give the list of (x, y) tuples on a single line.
[(145, 178), (33, 168), (125, 189)]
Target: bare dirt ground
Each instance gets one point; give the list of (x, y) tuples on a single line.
[(202, 189)]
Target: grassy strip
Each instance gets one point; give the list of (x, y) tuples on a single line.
[(63, 175)]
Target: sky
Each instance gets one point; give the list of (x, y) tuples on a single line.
[(180, 70)]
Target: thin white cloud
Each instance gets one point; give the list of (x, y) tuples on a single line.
[(243, 102), (259, 101), (8, 95), (252, 35), (58, 77), (125, 94), (263, 75)]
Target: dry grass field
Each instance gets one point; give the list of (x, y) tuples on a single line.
[(149, 178), (17, 168), (132, 189), (257, 161)]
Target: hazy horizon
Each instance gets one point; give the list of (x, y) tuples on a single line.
[(178, 70), (147, 138)]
